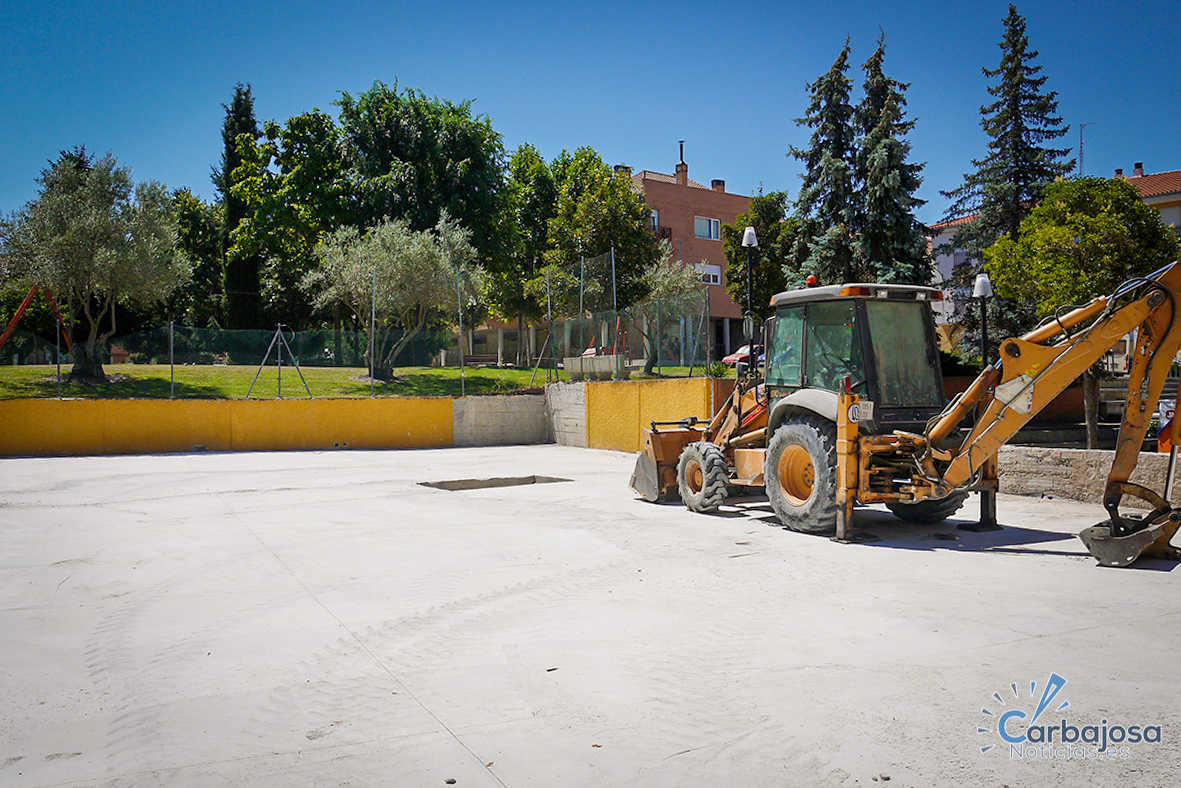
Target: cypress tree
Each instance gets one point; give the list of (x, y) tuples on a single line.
[(241, 273), (827, 238), (892, 240)]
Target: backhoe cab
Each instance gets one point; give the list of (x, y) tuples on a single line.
[(849, 410)]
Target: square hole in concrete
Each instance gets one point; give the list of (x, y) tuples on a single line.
[(501, 481)]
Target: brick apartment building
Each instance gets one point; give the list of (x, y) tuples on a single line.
[(690, 215)]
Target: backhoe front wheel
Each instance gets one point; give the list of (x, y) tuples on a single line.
[(801, 474), (702, 476)]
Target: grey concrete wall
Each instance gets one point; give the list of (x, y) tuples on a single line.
[(1079, 474), (565, 408), (500, 420)]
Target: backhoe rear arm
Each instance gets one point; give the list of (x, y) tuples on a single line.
[(1031, 373)]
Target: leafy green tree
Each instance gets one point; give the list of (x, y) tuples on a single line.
[(199, 238), (241, 277), (598, 210), (1086, 237), (826, 203), (413, 158), (294, 187), (772, 256), (95, 240), (1008, 182), (531, 201), (416, 274), (892, 240)]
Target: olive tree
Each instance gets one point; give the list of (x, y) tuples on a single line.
[(415, 274), (673, 290), (95, 240)]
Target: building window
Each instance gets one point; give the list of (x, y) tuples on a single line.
[(710, 274), (655, 220), (707, 228)]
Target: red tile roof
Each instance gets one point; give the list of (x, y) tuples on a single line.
[(1157, 183), (953, 222)]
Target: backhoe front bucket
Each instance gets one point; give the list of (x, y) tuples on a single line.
[(655, 475), (1152, 541), (644, 478)]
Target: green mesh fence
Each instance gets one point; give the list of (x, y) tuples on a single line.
[(316, 348)]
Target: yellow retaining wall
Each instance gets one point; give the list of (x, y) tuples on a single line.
[(617, 411), (52, 427)]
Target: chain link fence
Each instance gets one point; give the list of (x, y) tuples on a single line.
[(668, 336)]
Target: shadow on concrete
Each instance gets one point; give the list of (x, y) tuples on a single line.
[(876, 528)]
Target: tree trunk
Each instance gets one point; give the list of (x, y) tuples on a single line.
[(1091, 407), (88, 361), (86, 349)]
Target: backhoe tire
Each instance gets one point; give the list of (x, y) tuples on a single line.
[(929, 512), (800, 474), (702, 476)]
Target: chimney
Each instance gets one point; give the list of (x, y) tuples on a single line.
[(1119, 172), (718, 185), (682, 168), (1137, 169), (624, 170)]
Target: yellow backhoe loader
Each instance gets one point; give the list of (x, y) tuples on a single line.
[(849, 409)]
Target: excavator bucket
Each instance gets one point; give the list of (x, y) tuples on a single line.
[(1151, 540), (655, 474)]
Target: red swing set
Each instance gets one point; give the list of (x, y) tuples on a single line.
[(20, 312)]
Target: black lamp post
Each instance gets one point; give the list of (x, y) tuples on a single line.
[(983, 291), (750, 241)]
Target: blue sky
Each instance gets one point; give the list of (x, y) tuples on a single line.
[(146, 81)]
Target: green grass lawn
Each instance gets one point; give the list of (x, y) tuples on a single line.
[(150, 381), (232, 382)]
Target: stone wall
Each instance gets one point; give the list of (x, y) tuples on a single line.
[(565, 410), (1079, 474), (500, 420)]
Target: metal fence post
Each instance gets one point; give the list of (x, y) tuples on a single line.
[(58, 354), (459, 304), (279, 331), (171, 367), (614, 302), (372, 328)]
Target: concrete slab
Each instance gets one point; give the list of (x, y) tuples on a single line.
[(319, 617)]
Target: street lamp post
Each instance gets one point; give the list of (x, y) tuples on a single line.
[(983, 291), (750, 241)]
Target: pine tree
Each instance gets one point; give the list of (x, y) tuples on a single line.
[(892, 240), (826, 202), (241, 277), (1008, 182)]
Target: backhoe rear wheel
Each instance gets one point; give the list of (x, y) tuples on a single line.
[(702, 476), (801, 474), (929, 512)]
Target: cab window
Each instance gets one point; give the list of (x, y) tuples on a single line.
[(833, 352), (785, 362)]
